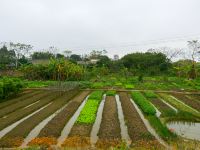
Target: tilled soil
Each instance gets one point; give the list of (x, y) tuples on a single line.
[(162, 107), (22, 130), (190, 102), (109, 132), (55, 126), (25, 102), (136, 128)]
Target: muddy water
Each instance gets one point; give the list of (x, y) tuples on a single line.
[(124, 130), (9, 128), (148, 126), (172, 107), (69, 125), (35, 132), (95, 129), (185, 129)]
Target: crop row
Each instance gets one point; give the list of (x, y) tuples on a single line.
[(143, 103), (88, 113), (150, 112), (179, 105)]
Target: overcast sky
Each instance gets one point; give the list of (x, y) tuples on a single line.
[(119, 26)]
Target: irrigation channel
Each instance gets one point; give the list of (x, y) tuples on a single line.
[(118, 118)]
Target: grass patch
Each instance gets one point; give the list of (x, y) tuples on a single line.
[(129, 86), (111, 93), (96, 95), (97, 85), (161, 129), (143, 103), (150, 94)]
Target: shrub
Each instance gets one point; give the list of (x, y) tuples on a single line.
[(150, 94), (143, 103), (9, 86), (111, 93)]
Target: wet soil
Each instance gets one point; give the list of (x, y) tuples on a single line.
[(55, 126), (109, 132), (190, 102), (136, 128)]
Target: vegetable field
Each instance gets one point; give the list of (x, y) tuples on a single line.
[(93, 118)]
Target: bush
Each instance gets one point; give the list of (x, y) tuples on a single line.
[(143, 103), (111, 93), (9, 86), (150, 94)]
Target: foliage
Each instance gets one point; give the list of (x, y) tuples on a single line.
[(42, 55), (143, 103), (9, 86), (97, 85), (161, 129), (148, 63), (111, 93), (129, 86), (57, 69), (88, 113), (150, 94), (96, 95), (6, 57)]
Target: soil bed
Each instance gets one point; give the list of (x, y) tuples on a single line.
[(15, 116), (109, 132), (22, 130), (21, 104), (190, 102), (136, 128), (55, 126), (20, 97), (162, 107)]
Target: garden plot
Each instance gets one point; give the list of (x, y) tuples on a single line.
[(25, 103), (165, 110), (150, 114), (82, 128), (179, 105), (137, 131), (54, 127), (23, 96), (17, 115), (22, 130), (189, 101), (109, 132)]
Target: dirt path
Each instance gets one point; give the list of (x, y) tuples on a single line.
[(191, 102), (109, 132)]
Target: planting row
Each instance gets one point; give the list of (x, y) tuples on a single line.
[(79, 114)]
